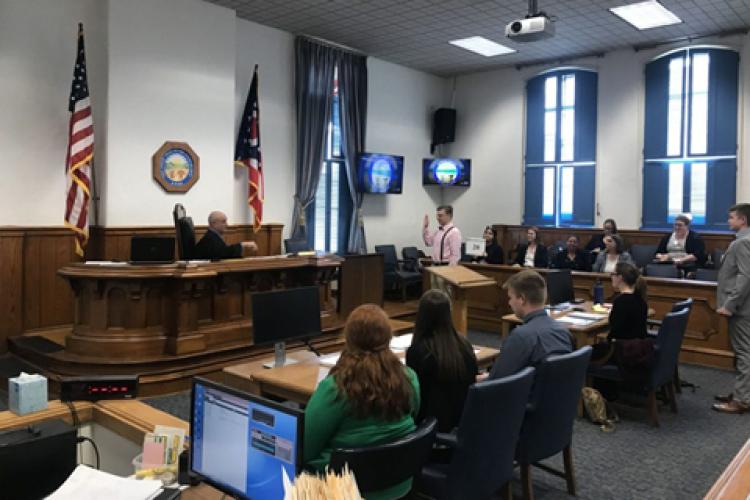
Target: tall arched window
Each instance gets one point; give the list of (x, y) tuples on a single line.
[(690, 137), (560, 161)]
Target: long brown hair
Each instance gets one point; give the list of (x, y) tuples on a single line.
[(368, 374), (632, 277), (434, 329)]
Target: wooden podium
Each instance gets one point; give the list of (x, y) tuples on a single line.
[(460, 279)]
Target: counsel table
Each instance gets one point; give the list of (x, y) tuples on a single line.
[(297, 382)]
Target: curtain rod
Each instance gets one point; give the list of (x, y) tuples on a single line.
[(329, 43)]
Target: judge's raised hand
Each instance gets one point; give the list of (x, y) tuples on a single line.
[(426, 222)]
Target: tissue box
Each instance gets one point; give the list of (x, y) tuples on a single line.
[(27, 393)]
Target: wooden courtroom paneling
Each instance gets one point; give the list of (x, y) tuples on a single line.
[(33, 296), (706, 339), (361, 282), (509, 236)]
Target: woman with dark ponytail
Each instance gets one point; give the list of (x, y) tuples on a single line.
[(627, 320), (369, 397), (443, 360)]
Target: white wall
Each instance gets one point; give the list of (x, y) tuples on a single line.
[(171, 77), (491, 128), (400, 105), (37, 54)]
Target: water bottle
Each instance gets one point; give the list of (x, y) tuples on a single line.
[(598, 292)]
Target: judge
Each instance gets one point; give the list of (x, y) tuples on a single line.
[(212, 246)]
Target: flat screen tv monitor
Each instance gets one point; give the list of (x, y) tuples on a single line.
[(446, 172), (240, 443), (560, 287), (282, 315), (380, 173)]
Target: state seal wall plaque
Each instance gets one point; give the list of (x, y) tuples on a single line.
[(176, 167)]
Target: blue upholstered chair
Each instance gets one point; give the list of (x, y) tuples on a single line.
[(643, 255), (666, 356), (381, 466), (484, 443), (394, 275), (548, 423)]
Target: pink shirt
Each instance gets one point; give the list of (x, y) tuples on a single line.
[(451, 245)]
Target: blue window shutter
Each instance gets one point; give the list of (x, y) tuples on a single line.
[(534, 194), (657, 103), (720, 192), (655, 184), (583, 195), (722, 102), (535, 120), (585, 116)]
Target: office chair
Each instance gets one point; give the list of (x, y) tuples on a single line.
[(394, 275), (484, 443), (702, 274), (661, 375), (663, 271), (294, 245), (381, 466), (654, 331), (643, 255), (548, 424), (184, 233)]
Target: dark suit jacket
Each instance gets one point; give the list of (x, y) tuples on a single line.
[(212, 246), (494, 255), (693, 245), (540, 256), (596, 241), (581, 262)]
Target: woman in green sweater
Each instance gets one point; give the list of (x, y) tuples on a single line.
[(368, 398)]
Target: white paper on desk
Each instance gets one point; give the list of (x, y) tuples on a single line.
[(571, 320), (402, 342), (591, 316), (329, 359), (86, 483), (322, 373)]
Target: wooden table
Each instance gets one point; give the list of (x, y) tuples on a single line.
[(297, 382), (584, 334), (734, 482)]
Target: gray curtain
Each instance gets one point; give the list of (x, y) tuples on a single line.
[(353, 97), (314, 66)]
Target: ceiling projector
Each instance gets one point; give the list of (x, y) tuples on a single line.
[(536, 26)]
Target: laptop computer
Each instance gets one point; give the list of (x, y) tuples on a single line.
[(151, 249)]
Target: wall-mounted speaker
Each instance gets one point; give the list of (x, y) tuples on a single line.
[(443, 127)]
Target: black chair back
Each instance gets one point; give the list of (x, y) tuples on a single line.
[(663, 271), (390, 259), (294, 245), (548, 424), (382, 466), (668, 344), (487, 434), (702, 274), (184, 233), (643, 255), (717, 255), (411, 259)]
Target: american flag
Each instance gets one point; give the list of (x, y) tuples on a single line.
[(247, 152), (80, 156)]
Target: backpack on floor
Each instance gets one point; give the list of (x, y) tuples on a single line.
[(597, 410)]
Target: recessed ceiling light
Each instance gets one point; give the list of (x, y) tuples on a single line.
[(646, 15), (482, 46)]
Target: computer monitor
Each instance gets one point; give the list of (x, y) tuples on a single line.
[(560, 287), (240, 443), (282, 315), (151, 249)]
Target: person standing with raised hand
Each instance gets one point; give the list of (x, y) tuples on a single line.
[(446, 240)]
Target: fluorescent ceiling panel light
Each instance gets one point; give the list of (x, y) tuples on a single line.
[(482, 46), (646, 15)]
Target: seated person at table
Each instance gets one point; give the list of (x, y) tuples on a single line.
[(368, 398), (212, 245), (684, 248), (614, 254), (493, 252), (539, 336), (572, 257), (532, 253), (627, 319), (596, 243), (443, 360)]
